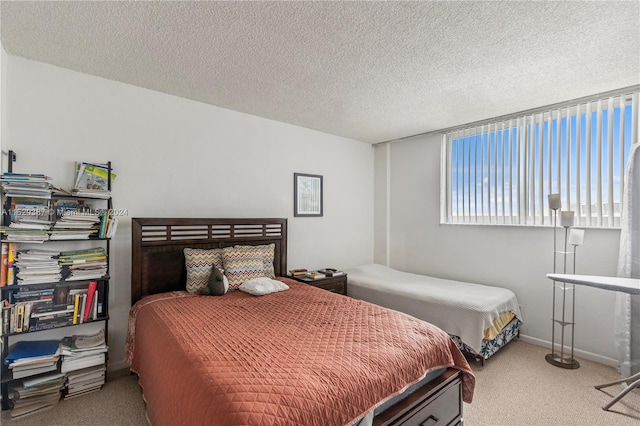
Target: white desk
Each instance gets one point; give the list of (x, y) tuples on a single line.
[(624, 285)]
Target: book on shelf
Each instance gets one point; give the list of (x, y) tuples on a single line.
[(33, 362), (12, 252), (41, 381), (34, 177), (37, 386), (29, 208), (75, 255), (4, 264), (25, 185), (30, 349), (67, 207), (21, 395), (81, 388), (76, 307), (27, 372), (6, 322), (77, 394), (77, 363), (93, 285), (35, 224), (29, 407), (83, 341), (104, 218), (112, 227), (24, 235), (19, 318)]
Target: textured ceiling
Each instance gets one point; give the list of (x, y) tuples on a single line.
[(370, 71)]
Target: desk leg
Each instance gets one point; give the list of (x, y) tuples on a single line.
[(633, 382)]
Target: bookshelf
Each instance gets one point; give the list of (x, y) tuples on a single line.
[(56, 279)]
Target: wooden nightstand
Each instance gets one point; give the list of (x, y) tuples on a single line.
[(337, 284)]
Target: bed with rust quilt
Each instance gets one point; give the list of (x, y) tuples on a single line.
[(302, 356)]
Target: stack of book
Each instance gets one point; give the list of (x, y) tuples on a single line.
[(84, 264), (75, 226), (28, 358), (22, 185), (36, 309), (83, 360), (27, 303), (25, 222), (24, 235), (37, 266), (48, 316), (298, 272), (35, 395)]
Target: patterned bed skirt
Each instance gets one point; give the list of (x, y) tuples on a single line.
[(490, 347)]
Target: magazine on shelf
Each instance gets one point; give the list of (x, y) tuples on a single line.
[(93, 176)]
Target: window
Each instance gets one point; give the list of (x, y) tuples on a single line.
[(501, 172)]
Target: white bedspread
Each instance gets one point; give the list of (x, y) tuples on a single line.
[(459, 308)]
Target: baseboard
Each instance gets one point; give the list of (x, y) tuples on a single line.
[(577, 352), (118, 365)]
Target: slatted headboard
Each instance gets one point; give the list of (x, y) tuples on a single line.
[(157, 247)]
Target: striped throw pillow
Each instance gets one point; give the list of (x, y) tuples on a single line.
[(266, 252), (241, 265), (199, 263)]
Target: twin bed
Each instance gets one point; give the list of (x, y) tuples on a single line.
[(480, 319), (301, 356)]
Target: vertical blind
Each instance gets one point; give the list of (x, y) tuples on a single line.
[(501, 172)]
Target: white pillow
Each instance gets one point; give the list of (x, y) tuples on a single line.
[(263, 285)]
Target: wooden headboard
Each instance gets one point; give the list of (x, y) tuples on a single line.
[(157, 247)]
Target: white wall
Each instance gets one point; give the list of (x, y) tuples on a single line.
[(3, 74), (179, 158), (517, 258)]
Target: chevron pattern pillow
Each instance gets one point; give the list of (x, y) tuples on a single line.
[(199, 263), (241, 264), (266, 252)]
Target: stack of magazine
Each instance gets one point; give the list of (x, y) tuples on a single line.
[(35, 395), (75, 226), (37, 266), (21, 185), (28, 358), (83, 360), (92, 180), (84, 264)]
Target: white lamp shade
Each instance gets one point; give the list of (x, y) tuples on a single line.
[(566, 218), (576, 236), (554, 201)]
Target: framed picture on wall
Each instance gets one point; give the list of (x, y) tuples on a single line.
[(307, 195)]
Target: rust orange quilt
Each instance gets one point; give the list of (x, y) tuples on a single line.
[(302, 356)]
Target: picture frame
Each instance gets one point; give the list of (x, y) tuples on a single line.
[(307, 195)]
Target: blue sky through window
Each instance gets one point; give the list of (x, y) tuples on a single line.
[(495, 171)]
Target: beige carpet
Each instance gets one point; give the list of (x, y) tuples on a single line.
[(515, 387), (518, 387)]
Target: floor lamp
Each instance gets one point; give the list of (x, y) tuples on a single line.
[(573, 237)]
